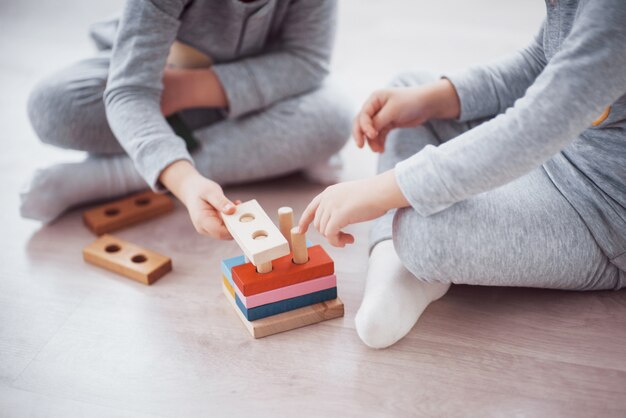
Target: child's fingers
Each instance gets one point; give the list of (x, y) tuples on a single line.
[(365, 123), (324, 218), (220, 202), (345, 238), (384, 119), (214, 228), (309, 214), (382, 138), (318, 218), (340, 239), (373, 144), (357, 134)]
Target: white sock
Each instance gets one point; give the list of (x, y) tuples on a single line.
[(325, 173), (54, 189), (394, 299)]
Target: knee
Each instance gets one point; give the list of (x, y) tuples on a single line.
[(45, 110), (412, 79), (56, 111), (332, 113), (420, 245)]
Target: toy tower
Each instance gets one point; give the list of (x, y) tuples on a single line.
[(281, 282)]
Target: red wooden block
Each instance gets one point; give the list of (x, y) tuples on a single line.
[(284, 273)]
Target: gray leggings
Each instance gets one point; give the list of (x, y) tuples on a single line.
[(67, 110), (522, 234)]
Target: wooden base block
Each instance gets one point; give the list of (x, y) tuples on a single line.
[(127, 259), (289, 320), (125, 212)]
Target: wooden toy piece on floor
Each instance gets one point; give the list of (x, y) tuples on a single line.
[(127, 259), (125, 212), (287, 321), (285, 272), (256, 234)]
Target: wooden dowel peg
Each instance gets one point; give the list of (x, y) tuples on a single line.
[(264, 267), (285, 223), (298, 242)]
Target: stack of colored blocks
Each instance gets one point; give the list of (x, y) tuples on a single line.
[(289, 296)]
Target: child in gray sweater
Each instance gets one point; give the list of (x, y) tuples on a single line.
[(508, 174), (243, 81)]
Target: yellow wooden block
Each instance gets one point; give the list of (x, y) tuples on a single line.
[(228, 286)]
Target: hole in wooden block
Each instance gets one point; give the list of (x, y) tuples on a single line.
[(142, 201), (259, 235), (246, 217), (139, 258), (112, 248), (112, 212)]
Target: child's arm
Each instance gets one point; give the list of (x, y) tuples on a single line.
[(134, 109), (585, 76), (351, 202), (489, 89), (297, 61)]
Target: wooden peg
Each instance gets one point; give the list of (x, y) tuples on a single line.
[(285, 223), (298, 243), (264, 267)]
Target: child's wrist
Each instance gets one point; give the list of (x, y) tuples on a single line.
[(176, 178), (445, 102), (389, 191)]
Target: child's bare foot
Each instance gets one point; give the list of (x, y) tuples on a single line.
[(53, 190), (394, 299)]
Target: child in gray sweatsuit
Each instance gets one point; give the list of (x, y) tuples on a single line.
[(241, 81), (507, 174)]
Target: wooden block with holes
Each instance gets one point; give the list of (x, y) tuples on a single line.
[(127, 259), (259, 239), (287, 321), (128, 211)]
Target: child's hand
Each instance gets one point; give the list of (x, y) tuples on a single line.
[(203, 198), (351, 202), (205, 201), (392, 108)]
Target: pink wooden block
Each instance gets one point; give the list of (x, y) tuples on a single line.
[(287, 292)]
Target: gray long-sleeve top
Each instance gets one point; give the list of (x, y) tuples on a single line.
[(263, 52), (547, 97)]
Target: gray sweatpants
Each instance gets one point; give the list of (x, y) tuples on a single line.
[(67, 110), (524, 233)]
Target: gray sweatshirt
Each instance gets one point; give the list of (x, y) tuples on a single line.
[(263, 52), (547, 98)]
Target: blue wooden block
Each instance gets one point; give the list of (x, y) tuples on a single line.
[(229, 263), (227, 267), (286, 305)]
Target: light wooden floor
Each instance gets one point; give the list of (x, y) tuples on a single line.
[(78, 341)]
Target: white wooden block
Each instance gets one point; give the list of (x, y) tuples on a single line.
[(260, 240)]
